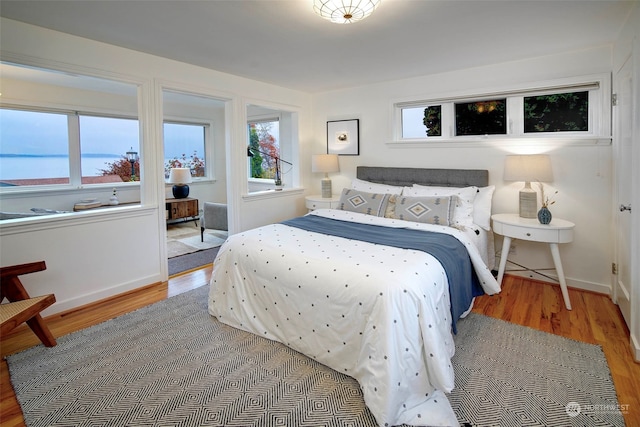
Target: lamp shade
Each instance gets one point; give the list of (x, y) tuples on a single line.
[(179, 176), (527, 168), (325, 163)]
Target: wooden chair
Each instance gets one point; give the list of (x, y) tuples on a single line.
[(23, 308)]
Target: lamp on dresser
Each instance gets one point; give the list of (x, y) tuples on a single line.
[(527, 168), (180, 177), (326, 163)]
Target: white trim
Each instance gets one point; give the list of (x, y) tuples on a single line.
[(502, 141), (272, 194), (599, 288), (75, 302)]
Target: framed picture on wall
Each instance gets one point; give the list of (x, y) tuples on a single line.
[(343, 137)]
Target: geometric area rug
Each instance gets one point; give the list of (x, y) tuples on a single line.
[(510, 375), (184, 238), (171, 363)]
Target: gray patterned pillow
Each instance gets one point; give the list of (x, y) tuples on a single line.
[(430, 210), (363, 202)]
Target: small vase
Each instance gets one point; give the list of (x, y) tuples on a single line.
[(113, 200), (544, 215)]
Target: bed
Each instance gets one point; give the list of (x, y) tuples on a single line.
[(359, 293)]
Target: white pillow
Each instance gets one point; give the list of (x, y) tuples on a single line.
[(463, 210), (482, 207), (372, 187)]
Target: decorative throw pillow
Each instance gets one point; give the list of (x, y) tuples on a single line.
[(463, 211), (363, 202), (430, 210), (372, 187), (389, 212)]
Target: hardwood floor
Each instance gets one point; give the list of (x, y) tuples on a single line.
[(594, 319)]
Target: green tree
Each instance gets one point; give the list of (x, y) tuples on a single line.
[(256, 160), (433, 120), (559, 112)]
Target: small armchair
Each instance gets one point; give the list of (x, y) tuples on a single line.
[(214, 216)]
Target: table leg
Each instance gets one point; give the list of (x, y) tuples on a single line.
[(506, 245), (555, 253)]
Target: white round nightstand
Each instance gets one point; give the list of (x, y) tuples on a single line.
[(319, 202), (512, 226)]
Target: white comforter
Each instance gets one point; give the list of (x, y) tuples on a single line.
[(376, 313)]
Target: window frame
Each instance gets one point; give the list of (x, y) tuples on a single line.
[(74, 145), (209, 171), (599, 113), (262, 118)]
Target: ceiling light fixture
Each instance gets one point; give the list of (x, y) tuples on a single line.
[(344, 11)]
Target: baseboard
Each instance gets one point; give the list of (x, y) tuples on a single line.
[(95, 298), (635, 347), (583, 285)]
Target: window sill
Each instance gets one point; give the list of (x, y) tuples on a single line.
[(270, 194), (497, 141), (44, 222)]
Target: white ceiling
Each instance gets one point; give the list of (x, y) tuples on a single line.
[(283, 42)]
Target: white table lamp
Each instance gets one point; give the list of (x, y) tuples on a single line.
[(180, 177), (527, 168), (326, 163)]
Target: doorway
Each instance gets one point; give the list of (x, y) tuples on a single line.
[(194, 140)]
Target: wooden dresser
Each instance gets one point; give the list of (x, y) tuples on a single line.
[(185, 209)]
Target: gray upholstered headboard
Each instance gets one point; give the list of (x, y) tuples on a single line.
[(435, 177)]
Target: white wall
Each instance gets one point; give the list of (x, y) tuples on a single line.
[(582, 171), (97, 254)]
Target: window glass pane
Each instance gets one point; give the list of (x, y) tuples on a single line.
[(481, 117), (184, 147), (104, 143), (421, 122), (265, 148), (561, 112), (34, 148)]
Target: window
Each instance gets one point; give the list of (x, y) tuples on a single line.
[(184, 147), (264, 146), (34, 149), (577, 108), (49, 148), (481, 117), (272, 132), (560, 112), (104, 143), (430, 116)]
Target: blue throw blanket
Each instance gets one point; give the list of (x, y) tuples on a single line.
[(463, 281)]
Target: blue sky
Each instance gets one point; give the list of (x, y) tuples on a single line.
[(46, 134)]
